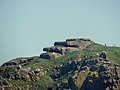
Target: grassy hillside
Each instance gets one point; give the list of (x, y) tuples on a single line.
[(46, 81)]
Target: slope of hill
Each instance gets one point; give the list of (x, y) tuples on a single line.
[(75, 64)]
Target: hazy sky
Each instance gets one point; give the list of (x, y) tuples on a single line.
[(26, 26)]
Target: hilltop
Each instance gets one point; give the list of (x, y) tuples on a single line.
[(73, 64)]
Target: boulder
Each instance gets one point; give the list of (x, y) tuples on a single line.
[(17, 77), (103, 55), (94, 68), (49, 55), (78, 39), (60, 50), (3, 82), (117, 72), (90, 62), (25, 70), (53, 49), (19, 67), (11, 76), (23, 61), (63, 85), (60, 44), (77, 80), (91, 82), (55, 76), (37, 71), (85, 68), (78, 42)]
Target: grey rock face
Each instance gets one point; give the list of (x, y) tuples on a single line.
[(65, 47), (93, 74), (49, 55)]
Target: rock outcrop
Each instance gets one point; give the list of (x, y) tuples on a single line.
[(91, 67), (19, 61), (92, 74), (63, 48), (78, 43), (50, 55)]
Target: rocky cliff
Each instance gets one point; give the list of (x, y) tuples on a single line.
[(75, 64)]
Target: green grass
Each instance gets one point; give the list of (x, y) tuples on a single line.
[(38, 63), (113, 54), (43, 83)]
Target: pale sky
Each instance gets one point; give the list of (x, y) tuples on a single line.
[(26, 26)]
